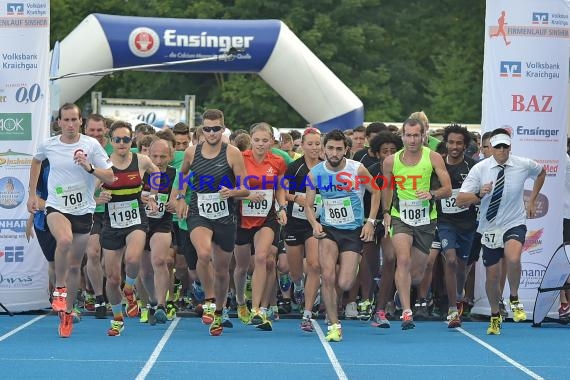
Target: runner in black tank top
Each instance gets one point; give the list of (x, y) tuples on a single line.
[(213, 171), (208, 175)]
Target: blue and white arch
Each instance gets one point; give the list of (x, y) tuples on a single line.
[(270, 49)]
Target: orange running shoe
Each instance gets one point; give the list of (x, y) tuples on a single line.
[(59, 299), (208, 314), (65, 324), (132, 304)]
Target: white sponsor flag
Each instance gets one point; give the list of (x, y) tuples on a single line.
[(525, 89), (24, 52)]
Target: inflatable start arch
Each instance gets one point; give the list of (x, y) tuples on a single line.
[(266, 47)]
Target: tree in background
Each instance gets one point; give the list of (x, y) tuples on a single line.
[(397, 56)]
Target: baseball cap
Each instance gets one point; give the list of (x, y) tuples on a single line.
[(500, 139)]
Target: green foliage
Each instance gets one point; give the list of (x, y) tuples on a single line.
[(397, 57)]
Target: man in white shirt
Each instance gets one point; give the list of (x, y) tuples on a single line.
[(498, 182), (76, 162)]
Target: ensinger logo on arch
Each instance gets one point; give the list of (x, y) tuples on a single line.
[(145, 42)]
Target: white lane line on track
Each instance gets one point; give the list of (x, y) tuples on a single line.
[(330, 353), (19, 328), (501, 355), (157, 350)]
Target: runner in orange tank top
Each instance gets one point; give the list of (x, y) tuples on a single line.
[(259, 225)]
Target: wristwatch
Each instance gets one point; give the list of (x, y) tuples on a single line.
[(282, 207), (180, 196), (432, 193), (90, 171), (152, 196), (373, 221)]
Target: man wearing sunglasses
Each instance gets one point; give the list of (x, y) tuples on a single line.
[(76, 162), (502, 217), (125, 223), (216, 170)]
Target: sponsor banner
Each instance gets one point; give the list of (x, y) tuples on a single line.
[(525, 90), (144, 40), (158, 117), (24, 122)]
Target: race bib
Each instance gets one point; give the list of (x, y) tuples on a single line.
[(338, 211), (258, 209), (161, 201), (124, 214), (493, 239), (414, 212), (71, 197), (211, 206), (299, 211), (449, 205)]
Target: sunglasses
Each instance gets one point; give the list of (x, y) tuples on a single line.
[(502, 146), (214, 129), (125, 139)]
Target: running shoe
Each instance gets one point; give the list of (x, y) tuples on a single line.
[(453, 319), (421, 310), (171, 310), (503, 309), (351, 310), (265, 324), (307, 325), (144, 315), (160, 314), (226, 322), (284, 306), (407, 320), (334, 333), (460, 309), (243, 314), (100, 310), (364, 310), (116, 328), (299, 296), (59, 299), (518, 311), (89, 304), (256, 316), (132, 304), (216, 328), (151, 317), (495, 325), (273, 313), (65, 324), (564, 311), (380, 320), (208, 313), (390, 309)]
